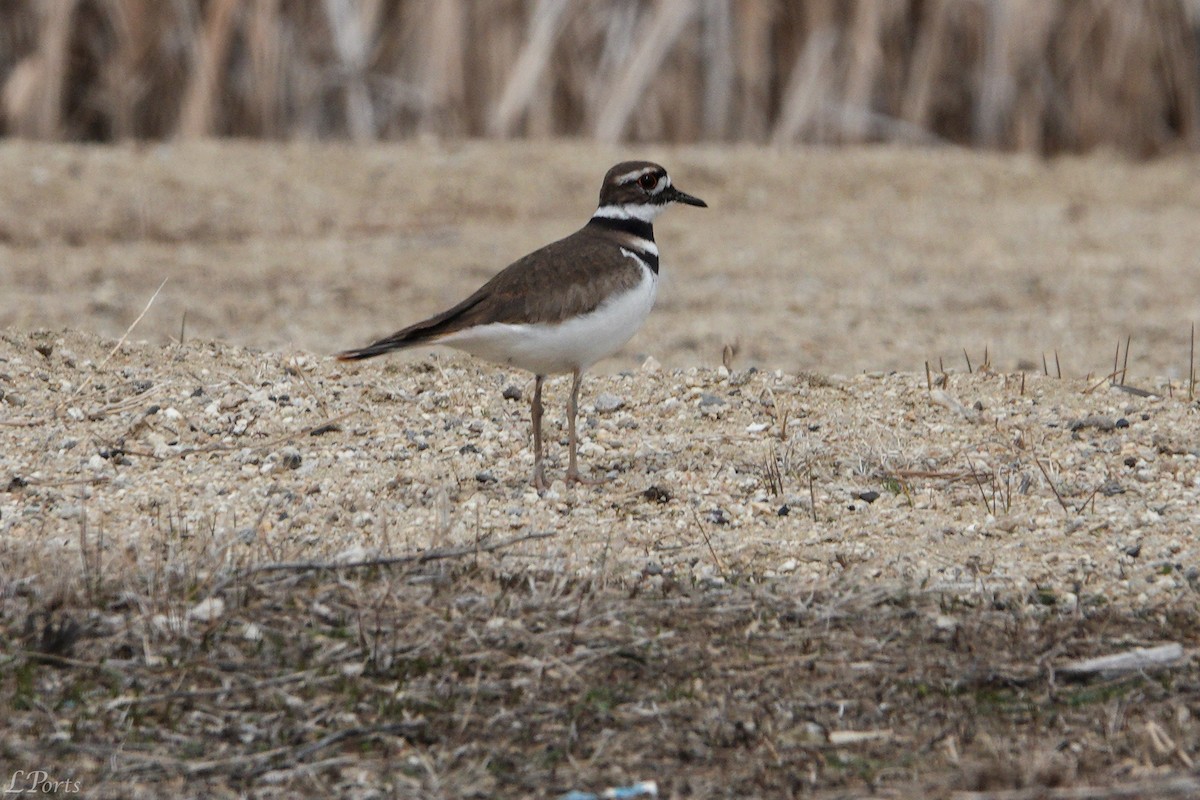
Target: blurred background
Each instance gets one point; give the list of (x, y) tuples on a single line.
[(890, 181), (1043, 76)]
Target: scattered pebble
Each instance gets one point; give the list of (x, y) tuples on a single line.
[(290, 458), (607, 403), (1100, 423), (207, 610)]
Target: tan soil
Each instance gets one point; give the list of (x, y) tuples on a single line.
[(998, 499), (823, 260)]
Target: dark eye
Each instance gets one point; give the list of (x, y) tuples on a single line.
[(648, 181)]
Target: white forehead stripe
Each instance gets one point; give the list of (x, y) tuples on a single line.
[(633, 176)]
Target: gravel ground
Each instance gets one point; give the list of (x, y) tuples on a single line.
[(995, 483)]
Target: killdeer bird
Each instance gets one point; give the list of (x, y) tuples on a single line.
[(566, 306)]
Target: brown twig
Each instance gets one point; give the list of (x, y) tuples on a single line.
[(389, 561), (1066, 509)]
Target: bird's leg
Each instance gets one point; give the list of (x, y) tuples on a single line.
[(539, 474), (573, 475)]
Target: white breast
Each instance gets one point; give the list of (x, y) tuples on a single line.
[(576, 344)]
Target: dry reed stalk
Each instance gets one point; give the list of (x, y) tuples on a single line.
[(122, 81), (926, 63), (266, 51), (199, 110), (353, 30), (717, 63), (810, 78), (753, 25), (530, 67), (49, 69), (444, 79), (1027, 53), (996, 83), (656, 41), (865, 57)]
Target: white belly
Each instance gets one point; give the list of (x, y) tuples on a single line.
[(576, 344)]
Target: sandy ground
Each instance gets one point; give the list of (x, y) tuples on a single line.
[(824, 260), (931, 518)]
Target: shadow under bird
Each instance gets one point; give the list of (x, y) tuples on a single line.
[(567, 305)]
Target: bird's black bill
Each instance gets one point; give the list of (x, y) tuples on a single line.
[(673, 195)]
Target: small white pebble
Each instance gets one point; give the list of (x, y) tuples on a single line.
[(207, 610)]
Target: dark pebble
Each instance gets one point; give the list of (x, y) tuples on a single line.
[(511, 392), (657, 494)]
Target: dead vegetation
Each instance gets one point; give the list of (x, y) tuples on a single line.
[(478, 676), (1035, 76)]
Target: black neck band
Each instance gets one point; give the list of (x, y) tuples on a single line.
[(636, 227)]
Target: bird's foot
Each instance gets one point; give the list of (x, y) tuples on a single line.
[(539, 479), (573, 476)]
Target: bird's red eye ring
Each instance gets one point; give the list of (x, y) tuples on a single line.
[(648, 181)]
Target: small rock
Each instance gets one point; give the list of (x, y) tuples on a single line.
[(869, 497), (1097, 421), (784, 510), (606, 403), (657, 494), (717, 516), (707, 399), (511, 392), (207, 610), (651, 365), (485, 476), (290, 458), (70, 512)]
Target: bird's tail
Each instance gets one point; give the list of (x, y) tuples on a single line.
[(397, 341), (424, 332)]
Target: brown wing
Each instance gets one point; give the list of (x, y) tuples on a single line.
[(569, 277)]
